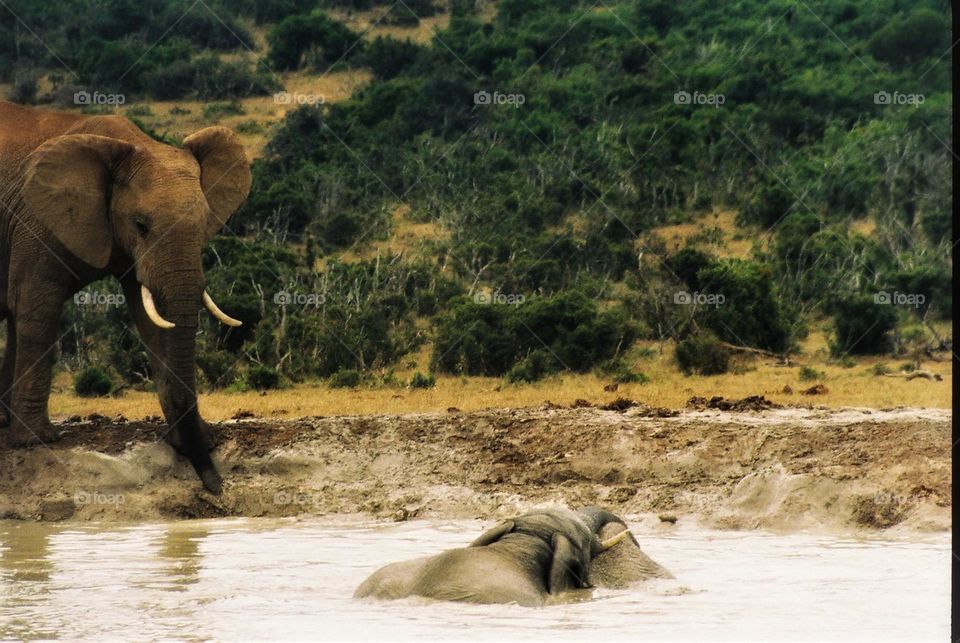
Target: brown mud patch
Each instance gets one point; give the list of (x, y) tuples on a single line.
[(778, 468)]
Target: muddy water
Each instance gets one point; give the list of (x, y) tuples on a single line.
[(269, 579)]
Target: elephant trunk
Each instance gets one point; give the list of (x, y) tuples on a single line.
[(181, 304)]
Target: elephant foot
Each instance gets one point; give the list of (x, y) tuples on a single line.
[(212, 481), (197, 451), (4, 418), (20, 435)]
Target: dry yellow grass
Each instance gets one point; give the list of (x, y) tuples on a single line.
[(260, 113), (372, 24), (735, 242), (866, 226), (407, 237), (847, 387)]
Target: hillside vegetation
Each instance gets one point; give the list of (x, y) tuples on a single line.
[(530, 188)]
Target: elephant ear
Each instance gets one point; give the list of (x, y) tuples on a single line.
[(566, 567), (67, 187), (224, 172), (494, 534)]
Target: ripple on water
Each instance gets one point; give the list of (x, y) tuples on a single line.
[(251, 578)]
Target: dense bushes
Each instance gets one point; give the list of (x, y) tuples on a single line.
[(92, 381), (702, 354), (737, 300), (388, 57), (313, 39), (263, 378), (537, 153), (915, 36), (208, 77), (751, 313), (544, 335), (862, 326), (135, 48)]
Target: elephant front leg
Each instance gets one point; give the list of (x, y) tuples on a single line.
[(34, 340), (163, 379), (187, 432)]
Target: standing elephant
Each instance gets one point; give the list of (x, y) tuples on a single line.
[(84, 197), (531, 560)]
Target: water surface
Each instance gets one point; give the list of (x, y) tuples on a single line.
[(270, 579)]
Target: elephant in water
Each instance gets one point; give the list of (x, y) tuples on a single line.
[(535, 559)]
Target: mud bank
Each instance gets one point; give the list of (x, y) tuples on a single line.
[(776, 468)]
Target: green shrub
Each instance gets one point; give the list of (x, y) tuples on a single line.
[(215, 367), (631, 377), (345, 378), (881, 369), (702, 354), (686, 264), (139, 110), (752, 312), (270, 11), (388, 57), (618, 370), (809, 374), (862, 326), (262, 378), (215, 111), (904, 40), (491, 339), (846, 361), (249, 127), (408, 14), (535, 366), (24, 89), (769, 202), (205, 29), (326, 40), (208, 77), (419, 380), (92, 381)]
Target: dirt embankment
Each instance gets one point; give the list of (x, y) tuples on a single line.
[(739, 468)]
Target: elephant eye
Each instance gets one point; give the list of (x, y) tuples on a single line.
[(143, 227)]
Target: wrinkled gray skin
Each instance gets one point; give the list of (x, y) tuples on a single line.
[(535, 559)]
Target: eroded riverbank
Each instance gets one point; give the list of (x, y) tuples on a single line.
[(787, 468)]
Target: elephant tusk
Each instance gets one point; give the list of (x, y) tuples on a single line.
[(614, 540), (151, 309), (219, 314)]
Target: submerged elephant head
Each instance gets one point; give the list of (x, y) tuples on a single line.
[(118, 201), (624, 563), (567, 545), (532, 559)]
